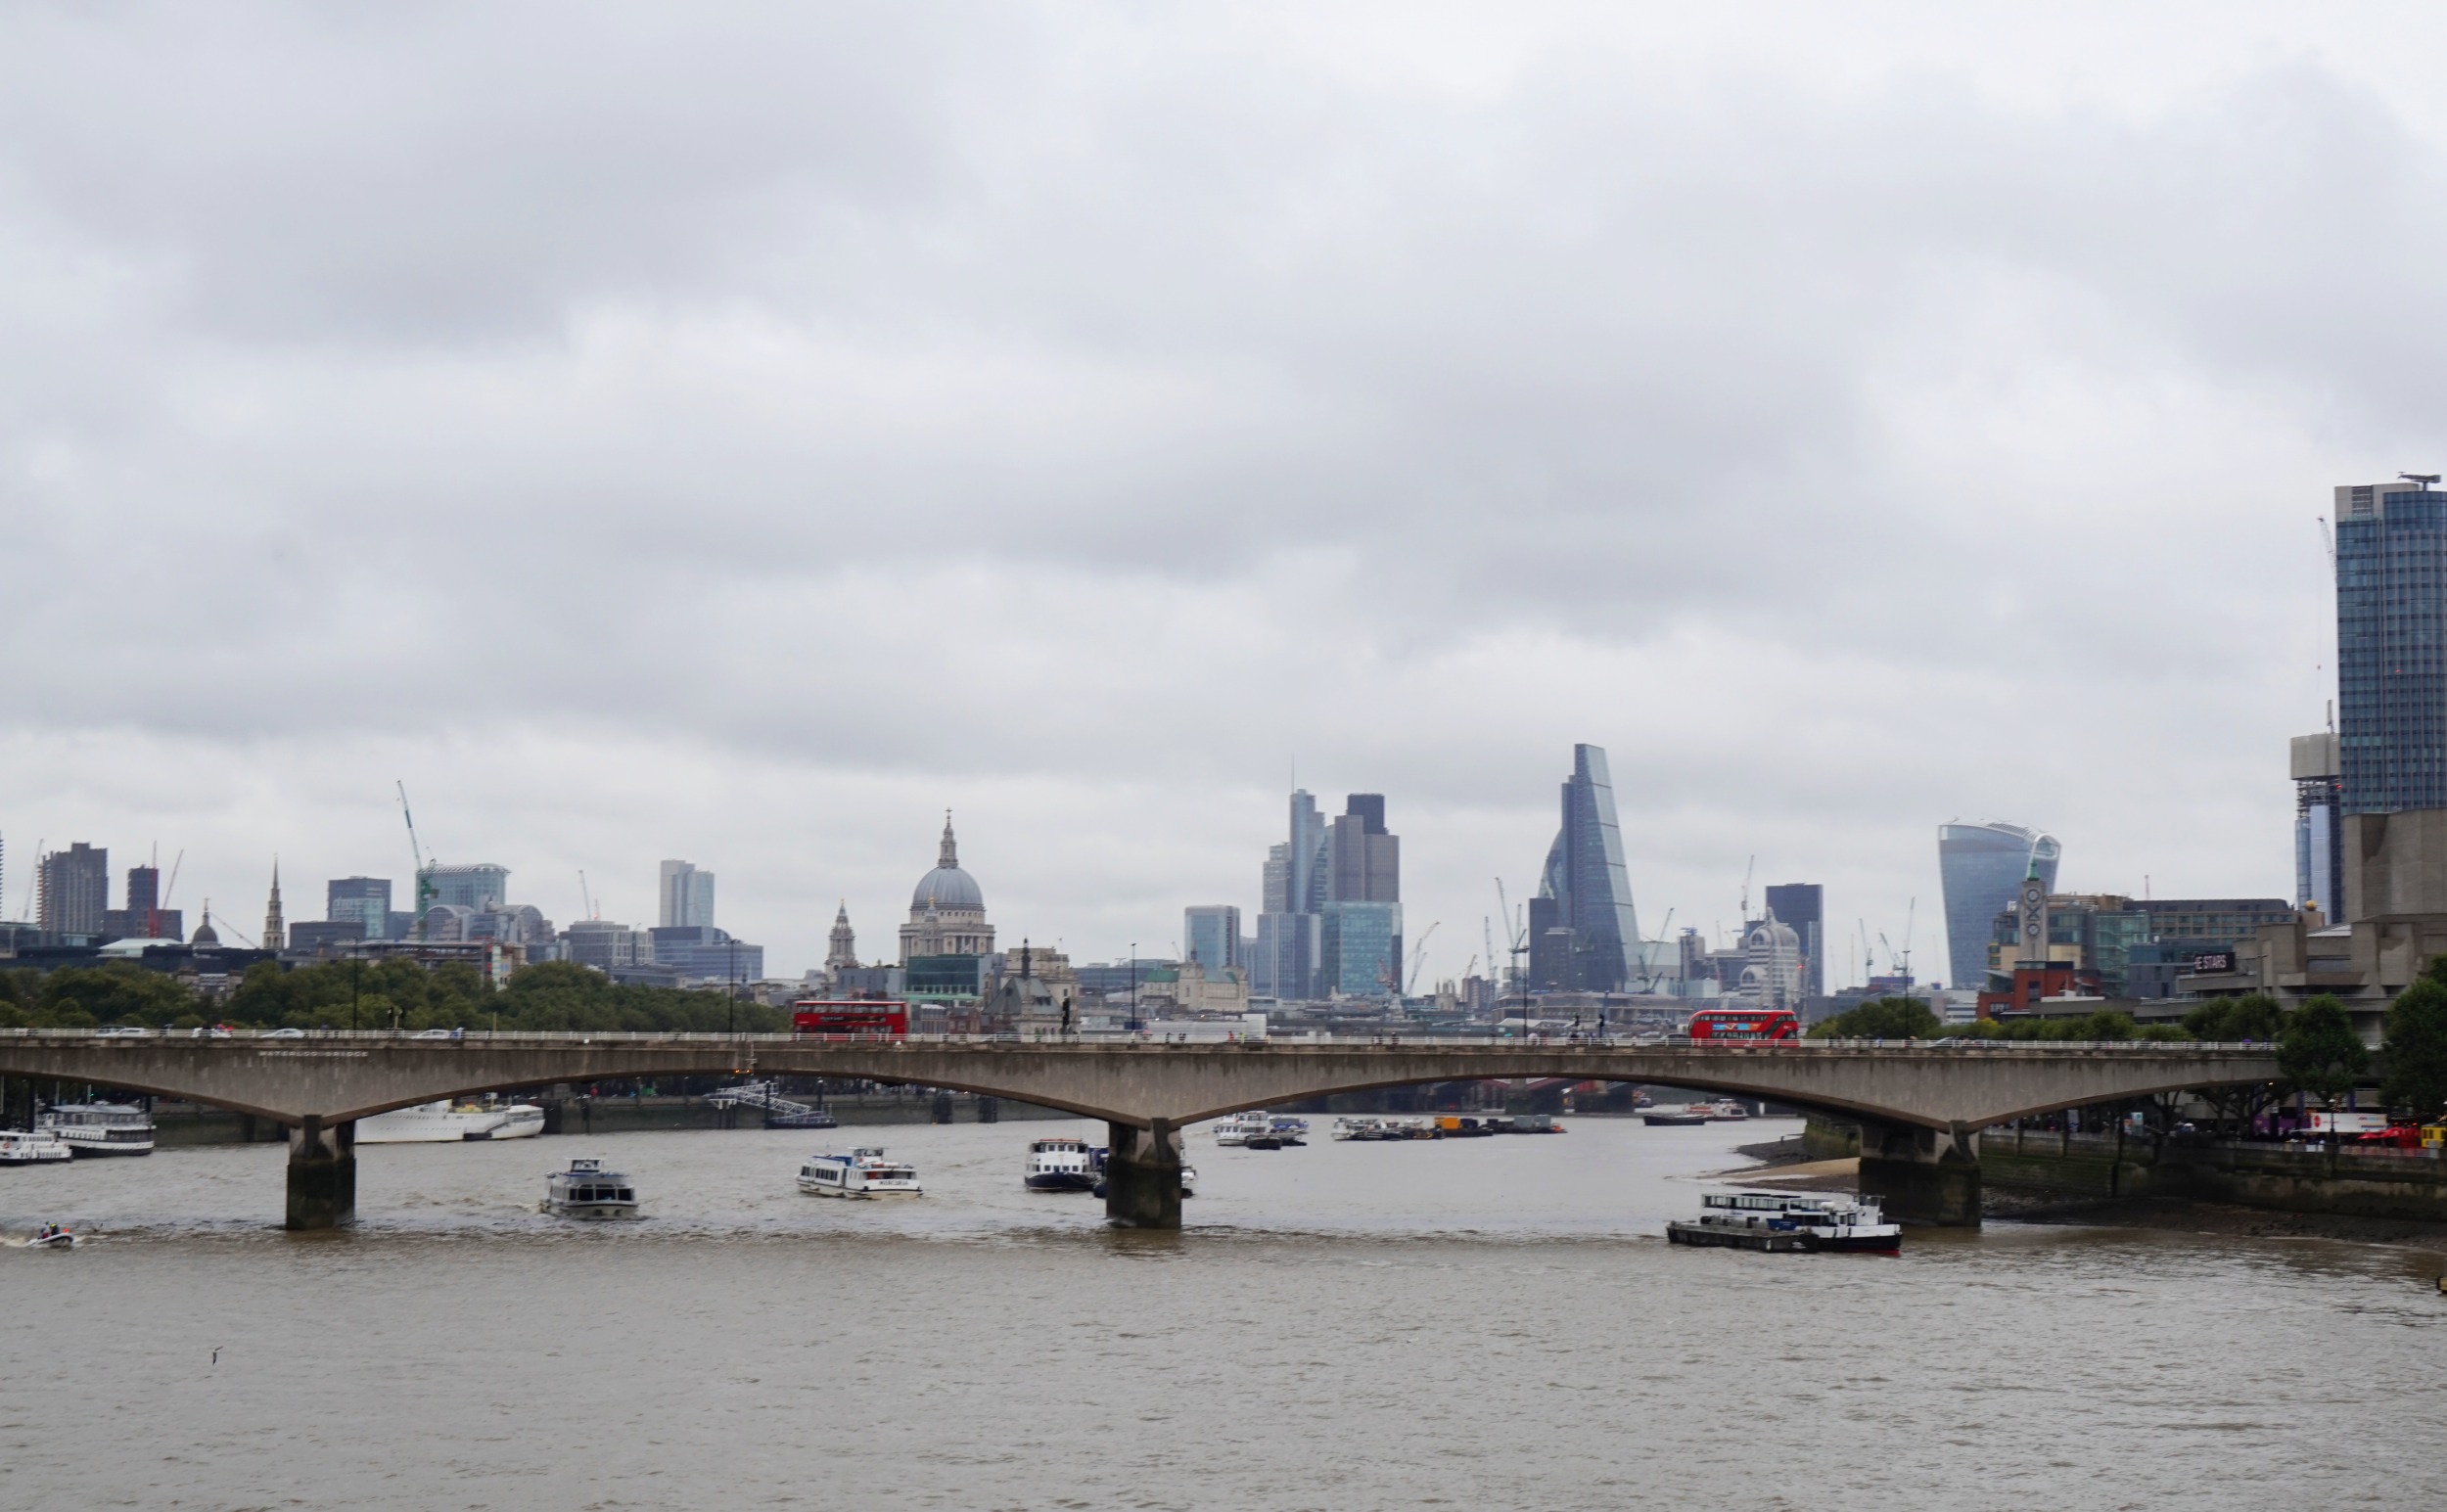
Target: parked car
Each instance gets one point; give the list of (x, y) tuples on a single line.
[(282, 1034), (122, 1031), (435, 1033)]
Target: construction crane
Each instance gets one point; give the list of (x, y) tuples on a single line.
[(1868, 962), (585, 896), (1909, 914), (1665, 933), (162, 904), (1418, 958), (425, 890), (1516, 942), (1746, 871)]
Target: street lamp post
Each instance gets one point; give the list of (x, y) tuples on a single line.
[(730, 1014)]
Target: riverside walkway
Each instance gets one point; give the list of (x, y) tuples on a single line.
[(1918, 1103)]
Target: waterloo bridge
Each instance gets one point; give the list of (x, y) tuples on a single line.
[(1918, 1105)]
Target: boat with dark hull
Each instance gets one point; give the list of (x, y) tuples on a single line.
[(1781, 1222)]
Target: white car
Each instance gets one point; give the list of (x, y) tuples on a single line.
[(282, 1034), (122, 1032)]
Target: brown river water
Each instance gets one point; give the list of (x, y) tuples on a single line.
[(1493, 1324)]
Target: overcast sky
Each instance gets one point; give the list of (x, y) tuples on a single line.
[(741, 433)]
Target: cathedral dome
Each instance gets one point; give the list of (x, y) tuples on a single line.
[(947, 886)]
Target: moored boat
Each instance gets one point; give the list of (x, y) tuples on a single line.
[(1684, 1115), (99, 1128), (1781, 1222), (1288, 1132), (588, 1191), (864, 1173), (18, 1147), (447, 1123), (1240, 1127)]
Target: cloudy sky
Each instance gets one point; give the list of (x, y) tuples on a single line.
[(743, 432)]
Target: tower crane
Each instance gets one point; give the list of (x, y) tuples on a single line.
[(589, 898), (1516, 941), (1746, 871), (153, 926), (1909, 914), (425, 890), (1418, 958)]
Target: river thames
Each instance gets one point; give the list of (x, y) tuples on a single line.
[(1490, 1324)]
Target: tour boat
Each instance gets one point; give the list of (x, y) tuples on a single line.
[(19, 1148), (1685, 1116), (1242, 1126), (1781, 1223), (863, 1174), (1060, 1165), (1722, 1111), (448, 1123), (588, 1191), (99, 1128)]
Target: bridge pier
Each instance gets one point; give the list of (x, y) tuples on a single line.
[(322, 1175), (1921, 1174), (1142, 1176)]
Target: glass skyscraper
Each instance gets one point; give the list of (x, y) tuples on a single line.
[(2391, 646), (1591, 933), (1211, 935), (1980, 865)]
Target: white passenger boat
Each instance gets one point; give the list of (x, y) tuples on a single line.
[(1060, 1165), (588, 1191), (1241, 1128), (1363, 1129), (448, 1123), (99, 1128), (19, 1148), (1779, 1221), (862, 1172)]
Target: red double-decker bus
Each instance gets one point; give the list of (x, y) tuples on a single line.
[(1743, 1024), (827, 1018)]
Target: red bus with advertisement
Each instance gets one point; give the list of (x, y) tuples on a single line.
[(812, 1018), (1743, 1024)]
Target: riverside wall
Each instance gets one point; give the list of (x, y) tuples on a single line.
[(2355, 1182)]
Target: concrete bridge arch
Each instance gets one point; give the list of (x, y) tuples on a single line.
[(1917, 1104)]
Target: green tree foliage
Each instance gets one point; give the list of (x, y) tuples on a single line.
[(2416, 1048), (1888, 1018), (2318, 1051), (2255, 1015)]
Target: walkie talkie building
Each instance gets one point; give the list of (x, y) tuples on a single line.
[(1980, 865)]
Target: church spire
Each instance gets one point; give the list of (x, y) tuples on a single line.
[(950, 854), (844, 955), (275, 932)]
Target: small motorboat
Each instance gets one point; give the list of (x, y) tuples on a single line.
[(1684, 1116), (52, 1237)]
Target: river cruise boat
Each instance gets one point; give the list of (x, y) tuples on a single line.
[(588, 1191), (861, 1174), (99, 1128), (1781, 1222), (1675, 1115), (1060, 1165), (38, 1148), (1241, 1128), (1723, 1111), (448, 1123)]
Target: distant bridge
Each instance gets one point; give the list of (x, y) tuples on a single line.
[(1918, 1103)]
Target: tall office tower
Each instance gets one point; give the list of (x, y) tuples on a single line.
[(481, 886), (1308, 869), (275, 930), (1289, 940), (1274, 888), (1802, 906), (2391, 695), (1211, 935), (1360, 942), (1981, 866), (143, 902), (75, 885), (2318, 828), (687, 896), (1587, 885), (364, 901)]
